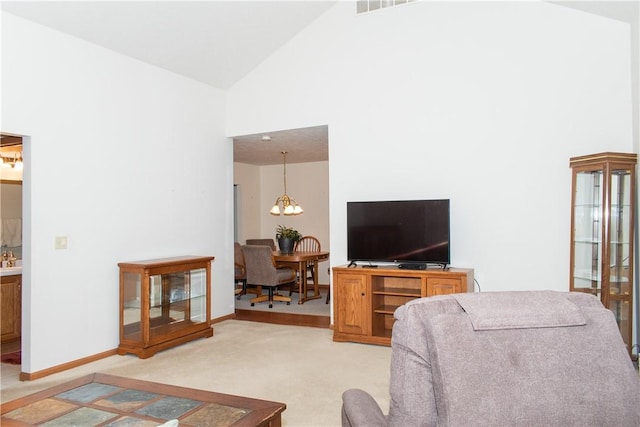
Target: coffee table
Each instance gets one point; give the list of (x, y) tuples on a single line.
[(107, 400)]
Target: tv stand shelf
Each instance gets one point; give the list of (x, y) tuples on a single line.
[(398, 291), (385, 309), (366, 298)]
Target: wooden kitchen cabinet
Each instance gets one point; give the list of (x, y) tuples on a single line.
[(11, 305), (365, 298)]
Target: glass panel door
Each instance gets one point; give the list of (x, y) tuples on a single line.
[(169, 308), (587, 220), (131, 314), (620, 247), (198, 295), (177, 298)]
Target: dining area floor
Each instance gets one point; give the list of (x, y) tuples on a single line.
[(315, 312)]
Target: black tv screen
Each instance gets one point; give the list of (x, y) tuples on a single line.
[(404, 231)]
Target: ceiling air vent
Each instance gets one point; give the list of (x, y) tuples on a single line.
[(363, 6)]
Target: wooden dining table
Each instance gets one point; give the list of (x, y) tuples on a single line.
[(303, 259)]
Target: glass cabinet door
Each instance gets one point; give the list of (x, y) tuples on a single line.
[(587, 242), (620, 282), (175, 298), (132, 299), (198, 301), (602, 232)]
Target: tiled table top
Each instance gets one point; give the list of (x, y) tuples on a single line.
[(106, 400)]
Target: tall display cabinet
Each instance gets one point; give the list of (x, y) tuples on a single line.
[(602, 230)]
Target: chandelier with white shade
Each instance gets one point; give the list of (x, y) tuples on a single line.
[(289, 205)]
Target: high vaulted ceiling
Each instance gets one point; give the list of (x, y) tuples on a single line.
[(215, 42), (218, 43)]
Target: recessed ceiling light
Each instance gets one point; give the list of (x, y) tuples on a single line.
[(266, 138)]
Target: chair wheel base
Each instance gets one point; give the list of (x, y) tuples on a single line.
[(288, 303), (270, 305), (252, 304)]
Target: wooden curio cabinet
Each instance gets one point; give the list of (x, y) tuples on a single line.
[(602, 221), (163, 303)]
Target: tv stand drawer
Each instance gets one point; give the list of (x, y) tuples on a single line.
[(444, 286)]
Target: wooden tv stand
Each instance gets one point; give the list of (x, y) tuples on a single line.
[(365, 298)]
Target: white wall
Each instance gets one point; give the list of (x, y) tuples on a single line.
[(482, 103), (11, 209), (10, 174), (11, 200), (247, 178), (128, 161)]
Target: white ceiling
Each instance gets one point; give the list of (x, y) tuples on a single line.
[(218, 43), (301, 145), (621, 10), (215, 42)]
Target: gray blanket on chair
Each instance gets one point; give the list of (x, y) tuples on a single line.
[(537, 358)]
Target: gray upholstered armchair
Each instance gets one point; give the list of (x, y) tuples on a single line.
[(262, 271), (530, 358), (262, 242)]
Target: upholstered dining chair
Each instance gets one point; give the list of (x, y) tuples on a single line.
[(264, 242), (262, 271)]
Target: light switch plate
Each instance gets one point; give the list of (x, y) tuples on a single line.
[(61, 242)]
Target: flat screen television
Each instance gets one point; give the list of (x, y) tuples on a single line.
[(414, 233)]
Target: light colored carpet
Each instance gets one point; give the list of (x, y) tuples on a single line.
[(296, 365), (316, 307)]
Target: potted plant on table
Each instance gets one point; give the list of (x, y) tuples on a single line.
[(287, 237)]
